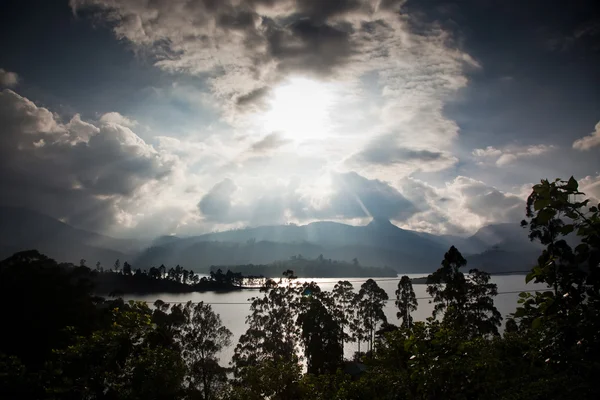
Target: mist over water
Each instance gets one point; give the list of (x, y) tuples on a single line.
[(234, 307)]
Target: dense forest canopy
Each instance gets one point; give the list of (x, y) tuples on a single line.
[(59, 341)]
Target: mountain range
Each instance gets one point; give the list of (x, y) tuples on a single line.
[(494, 248)]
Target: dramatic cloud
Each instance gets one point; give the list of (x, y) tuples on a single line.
[(463, 205), (509, 154), (349, 196), (386, 152), (587, 142), (357, 197), (78, 171), (8, 79), (249, 47)]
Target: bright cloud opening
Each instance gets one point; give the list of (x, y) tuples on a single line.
[(300, 109)]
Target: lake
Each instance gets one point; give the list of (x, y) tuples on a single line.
[(234, 307)]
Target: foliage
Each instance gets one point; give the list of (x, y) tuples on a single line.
[(118, 362), (321, 332), (343, 297), (406, 301), (272, 333), (370, 300), (293, 348), (465, 301)]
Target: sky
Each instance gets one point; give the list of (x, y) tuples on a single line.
[(138, 118)]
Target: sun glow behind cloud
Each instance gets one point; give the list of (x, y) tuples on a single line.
[(300, 109)]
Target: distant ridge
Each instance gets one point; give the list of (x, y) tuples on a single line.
[(380, 243)]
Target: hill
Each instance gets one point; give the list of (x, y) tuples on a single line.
[(22, 229), (496, 248)]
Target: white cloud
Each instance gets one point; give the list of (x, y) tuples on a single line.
[(392, 73), (463, 205), (509, 154), (118, 119), (587, 142), (78, 171), (8, 79), (590, 185)]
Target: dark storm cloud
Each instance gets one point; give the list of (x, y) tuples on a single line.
[(77, 171), (243, 39), (308, 46)]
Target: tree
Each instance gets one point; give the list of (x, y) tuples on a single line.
[(117, 265), (119, 362), (272, 332), (266, 357), (202, 336), (406, 301), (467, 303), (565, 318), (320, 332), (343, 296), (483, 318), (51, 297), (126, 268), (370, 300)]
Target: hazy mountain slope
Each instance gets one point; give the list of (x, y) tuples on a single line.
[(201, 255), (379, 234), (508, 237), (497, 260), (501, 247), (22, 229)]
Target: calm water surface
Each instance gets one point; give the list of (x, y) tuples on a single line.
[(234, 307)]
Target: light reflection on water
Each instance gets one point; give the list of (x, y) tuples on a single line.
[(233, 314)]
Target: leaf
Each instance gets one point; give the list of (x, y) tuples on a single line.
[(541, 203), (572, 185), (530, 276), (536, 323), (565, 230), (545, 215), (582, 248)]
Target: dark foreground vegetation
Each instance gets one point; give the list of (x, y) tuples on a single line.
[(58, 341)]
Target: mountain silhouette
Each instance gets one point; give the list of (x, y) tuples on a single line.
[(23, 229), (500, 247)]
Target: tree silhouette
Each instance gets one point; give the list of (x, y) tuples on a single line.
[(320, 330), (370, 300), (467, 303), (343, 296), (406, 301), (202, 336)]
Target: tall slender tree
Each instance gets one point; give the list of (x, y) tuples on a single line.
[(371, 300), (343, 295), (406, 301)]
